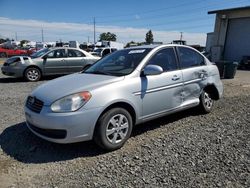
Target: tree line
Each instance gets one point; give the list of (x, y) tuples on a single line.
[(149, 38)]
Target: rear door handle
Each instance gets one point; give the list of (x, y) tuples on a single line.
[(202, 74), (175, 77)]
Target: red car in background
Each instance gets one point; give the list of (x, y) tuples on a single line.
[(4, 52)]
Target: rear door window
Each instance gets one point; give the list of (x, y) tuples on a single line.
[(75, 53), (190, 58)]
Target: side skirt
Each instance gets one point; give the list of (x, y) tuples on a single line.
[(183, 106)]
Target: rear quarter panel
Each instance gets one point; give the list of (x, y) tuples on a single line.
[(214, 78)]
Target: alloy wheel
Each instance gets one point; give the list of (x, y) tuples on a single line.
[(32, 74), (117, 128), (208, 100)]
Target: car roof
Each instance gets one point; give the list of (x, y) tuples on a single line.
[(144, 46), (85, 52), (151, 46), (65, 48)]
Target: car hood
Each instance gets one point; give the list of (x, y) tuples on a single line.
[(66, 85)]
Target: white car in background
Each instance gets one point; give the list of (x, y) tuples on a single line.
[(101, 52)]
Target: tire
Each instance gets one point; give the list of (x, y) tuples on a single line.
[(3, 55), (32, 74), (113, 129), (206, 102)]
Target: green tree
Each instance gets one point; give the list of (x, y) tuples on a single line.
[(149, 37), (107, 36)]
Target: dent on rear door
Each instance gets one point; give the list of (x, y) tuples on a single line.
[(194, 72), (193, 83)]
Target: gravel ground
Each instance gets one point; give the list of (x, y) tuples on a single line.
[(2, 60), (182, 150)]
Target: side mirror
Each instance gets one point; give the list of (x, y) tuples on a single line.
[(152, 70)]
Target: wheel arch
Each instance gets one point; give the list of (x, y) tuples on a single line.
[(124, 105), (32, 66), (213, 91)]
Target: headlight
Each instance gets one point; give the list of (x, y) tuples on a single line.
[(71, 103)]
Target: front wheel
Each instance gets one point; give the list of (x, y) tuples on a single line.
[(206, 102), (113, 129), (32, 74)]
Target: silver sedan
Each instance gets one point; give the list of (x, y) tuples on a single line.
[(128, 87), (48, 62)]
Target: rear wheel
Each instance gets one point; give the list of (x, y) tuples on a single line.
[(3, 55), (206, 102), (113, 129), (32, 74)]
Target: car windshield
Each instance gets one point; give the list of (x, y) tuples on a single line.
[(119, 63), (39, 53)]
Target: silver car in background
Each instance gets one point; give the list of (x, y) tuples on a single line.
[(48, 61), (125, 88)]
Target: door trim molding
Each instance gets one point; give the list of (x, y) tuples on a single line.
[(158, 89)]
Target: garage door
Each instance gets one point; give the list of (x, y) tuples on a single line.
[(237, 39)]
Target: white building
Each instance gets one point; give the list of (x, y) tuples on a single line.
[(231, 37)]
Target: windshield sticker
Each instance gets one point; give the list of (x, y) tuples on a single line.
[(136, 51)]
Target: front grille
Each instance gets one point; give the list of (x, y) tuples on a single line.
[(34, 104), (50, 133)]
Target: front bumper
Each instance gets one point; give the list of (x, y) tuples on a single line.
[(63, 127), (12, 71)]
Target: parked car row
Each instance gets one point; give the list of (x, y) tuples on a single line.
[(48, 61), (4, 52)]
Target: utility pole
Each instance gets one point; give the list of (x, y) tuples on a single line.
[(181, 36), (16, 35), (88, 39), (42, 36), (94, 30)]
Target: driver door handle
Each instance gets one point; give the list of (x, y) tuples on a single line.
[(175, 77)]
